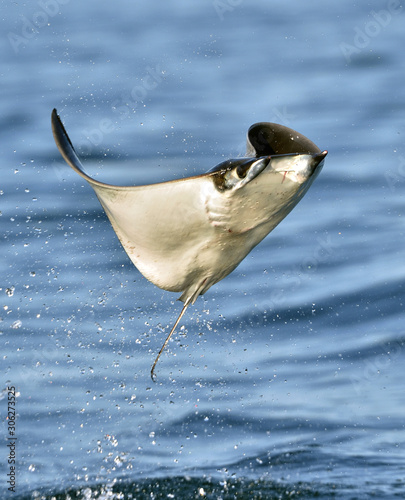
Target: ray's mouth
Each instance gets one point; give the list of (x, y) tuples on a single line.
[(300, 168)]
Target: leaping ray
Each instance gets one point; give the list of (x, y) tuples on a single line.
[(188, 234)]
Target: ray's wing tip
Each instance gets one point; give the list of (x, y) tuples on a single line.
[(55, 117), (58, 127), (65, 146)]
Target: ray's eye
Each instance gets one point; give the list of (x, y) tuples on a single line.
[(242, 170)]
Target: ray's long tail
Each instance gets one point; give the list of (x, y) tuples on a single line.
[(152, 372)]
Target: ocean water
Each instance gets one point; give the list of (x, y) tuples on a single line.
[(286, 379)]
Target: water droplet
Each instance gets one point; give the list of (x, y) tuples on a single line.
[(10, 291)]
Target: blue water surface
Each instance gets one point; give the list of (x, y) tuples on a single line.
[(286, 380)]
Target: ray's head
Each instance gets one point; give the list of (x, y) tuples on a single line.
[(271, 148)]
